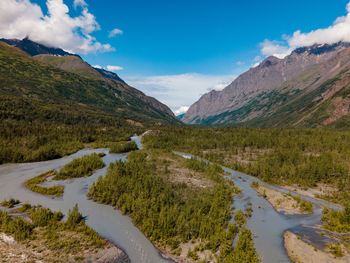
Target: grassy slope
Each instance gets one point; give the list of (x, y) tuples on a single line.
[(47, 113), (50, 88)]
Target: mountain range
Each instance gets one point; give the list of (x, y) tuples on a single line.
[(43, 83), (308, 88)]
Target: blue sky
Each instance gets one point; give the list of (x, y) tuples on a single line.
[(178, 50)]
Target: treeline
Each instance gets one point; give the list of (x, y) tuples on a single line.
[(29, 141), (278, 156), (81, 167), (338, 221), (167, 213)]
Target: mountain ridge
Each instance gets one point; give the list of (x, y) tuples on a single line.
[(66, 81), (252, 96)]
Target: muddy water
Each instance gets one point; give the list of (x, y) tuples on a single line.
[(108, 222)]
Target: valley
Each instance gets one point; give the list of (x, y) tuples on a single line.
[(255, 167), (264, 222)]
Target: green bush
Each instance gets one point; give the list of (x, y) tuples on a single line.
[(74, 217), (82, 167), (335, 249), (44, 216), (123, 147), (32, 184), (10, 203), (16, 227), (338, 221)]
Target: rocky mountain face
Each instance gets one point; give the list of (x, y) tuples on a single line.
[(33, 72), (33, 48), (108, 74), (281, 92)]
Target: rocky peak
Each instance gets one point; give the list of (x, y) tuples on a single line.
[(34, 48), (268, 62), (265, 78), (319, 49)]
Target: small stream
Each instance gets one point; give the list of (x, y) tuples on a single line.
[(266, 224), (105, 220)]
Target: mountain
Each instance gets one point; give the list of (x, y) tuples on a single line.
[(33, 48), (62, 87), (59, 58), (308, 88), (109, 74), (181, 116)]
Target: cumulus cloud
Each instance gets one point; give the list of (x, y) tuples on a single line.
[(338, 31), (98, 66), (181, 110), (115, 32), (21, 18), (275, 48), (81, 3), (179, 90), (114, 68), (257, 59)]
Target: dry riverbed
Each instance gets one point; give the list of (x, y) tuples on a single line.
[(302, 252), (284, 202), (320, 190)]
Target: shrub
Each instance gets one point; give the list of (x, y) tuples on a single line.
[(74, 217), (32, 184), (10, 203), (123, 147), (84, 166)]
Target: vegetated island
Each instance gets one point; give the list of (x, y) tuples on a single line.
[(182, 205), (286, 203), (36, 234), (81, 167), (117, 147), (304, 159)]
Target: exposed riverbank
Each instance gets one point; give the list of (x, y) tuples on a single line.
[(302, 252), (12, 251), (282, 202)]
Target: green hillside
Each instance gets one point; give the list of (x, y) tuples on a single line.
[(47, 112)]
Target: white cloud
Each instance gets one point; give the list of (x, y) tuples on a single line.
[(115, 32), (257, 58), (338, 31), (21, 18), (274, 48), (97, 66), (114, 68), (81, 3), (178, 90), (239, 63), (181, 110)]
